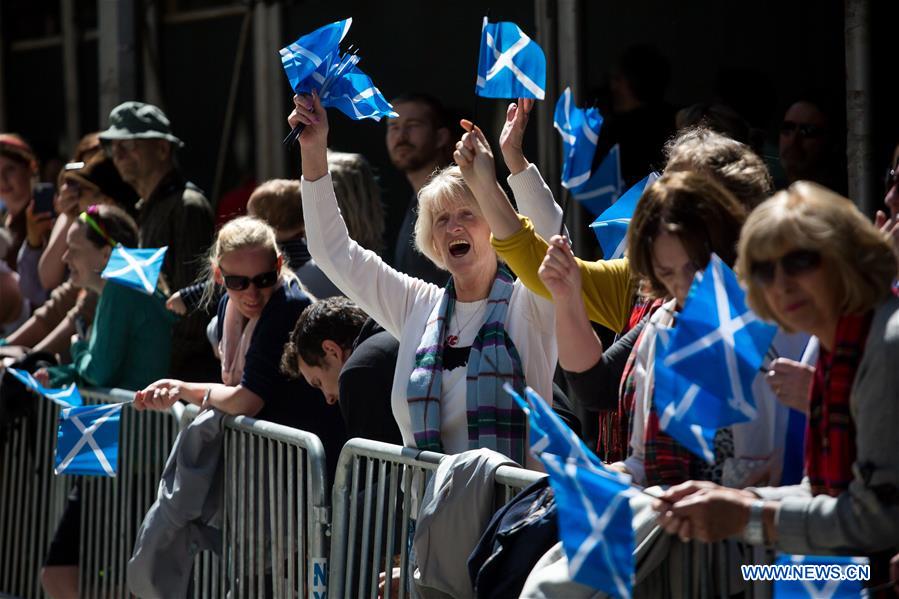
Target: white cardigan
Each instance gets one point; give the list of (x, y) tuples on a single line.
[(401, 304)]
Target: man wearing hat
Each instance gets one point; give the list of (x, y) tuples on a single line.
[(171, 212)]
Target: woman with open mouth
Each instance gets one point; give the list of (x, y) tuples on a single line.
[(458, 343)]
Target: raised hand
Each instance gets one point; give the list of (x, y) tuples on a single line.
[(309, 112), (475, 159), (511, 138), (559, 271), (888, 227)]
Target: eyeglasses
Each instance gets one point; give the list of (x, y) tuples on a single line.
[(802, 129), (793, 263), (260, 281), (112, 146)]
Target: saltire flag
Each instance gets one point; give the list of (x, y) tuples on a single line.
[(135, 268), (604, 186), (595, 524), (87, 441), (315, 62), (828, 585), (579, 128), (510, 64), (610, 227), (718, 344), (595, 517), (66, 397)]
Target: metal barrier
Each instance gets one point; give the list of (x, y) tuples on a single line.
[(373, 538), (31, 500)]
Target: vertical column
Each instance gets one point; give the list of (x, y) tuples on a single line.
[(269, 105), (859, 146), (150, 53), (547, 141), (2, 74), (70, 37), (118, 54), (570, 69)]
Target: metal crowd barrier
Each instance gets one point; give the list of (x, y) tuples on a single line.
[(112, 509), (31, 500), (373, 511)]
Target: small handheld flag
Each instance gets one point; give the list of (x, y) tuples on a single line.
[(717, 345), (579, 129), (605, 184), (510, 64), (66, 396), (135, 268), (610, 227), (314, 62), (88, 440)]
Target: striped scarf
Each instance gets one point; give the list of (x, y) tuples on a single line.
[(830, 435), (494, 420)]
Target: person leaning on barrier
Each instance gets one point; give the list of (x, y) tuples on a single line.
[(351, 359), (441, 326), (813, 263), (263, 300)]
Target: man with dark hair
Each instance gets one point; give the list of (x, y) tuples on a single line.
[(419, 141), (809, 146), (351, 359), (172, 212)]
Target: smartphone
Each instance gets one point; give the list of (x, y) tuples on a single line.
[(43, 194)]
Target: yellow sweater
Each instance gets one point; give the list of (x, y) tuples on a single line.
[(607, 287)]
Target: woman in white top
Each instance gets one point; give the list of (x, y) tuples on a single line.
[(458, 344)]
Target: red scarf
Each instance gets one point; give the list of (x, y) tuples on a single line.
[(830, 434)]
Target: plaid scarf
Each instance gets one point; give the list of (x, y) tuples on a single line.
[(494, 420), (614, 425), (830, 434), (665, 461)]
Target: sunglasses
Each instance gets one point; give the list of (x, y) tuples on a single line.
[(260, 281), (802, 129), (793, 264), (111, 146)]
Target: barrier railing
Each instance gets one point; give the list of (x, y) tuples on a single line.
[(31, 500), (374, 490)]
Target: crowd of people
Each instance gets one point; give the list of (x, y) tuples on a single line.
[(307, 313)]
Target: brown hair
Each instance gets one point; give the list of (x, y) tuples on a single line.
[(811, 217), (700, 212), (277, 202)]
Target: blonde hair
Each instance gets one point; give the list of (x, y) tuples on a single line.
[(445, 189), (359, 198), (278, 203), (811, 217), (237, 234)]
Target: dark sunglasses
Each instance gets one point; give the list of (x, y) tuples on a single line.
[(803, 129), (260, 281), (793, 263)]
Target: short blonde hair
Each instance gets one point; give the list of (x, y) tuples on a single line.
[(445, 189), (359, 198), (277, 202), (237, 234), (811, 217)]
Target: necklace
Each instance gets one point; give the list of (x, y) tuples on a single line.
[(453, 339)]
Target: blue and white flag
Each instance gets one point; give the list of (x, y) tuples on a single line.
[(87, 441), (510, 64), (604, 186), (66, 397), (827, 570), (315, 62), (579, 128), (718, 344), (595, 524), (610, 227), (135, 268), (548, 432)]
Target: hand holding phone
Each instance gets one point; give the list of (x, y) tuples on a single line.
[(43, 194)]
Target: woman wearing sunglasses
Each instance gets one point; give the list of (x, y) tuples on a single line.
[(263, 301), (813, 263)]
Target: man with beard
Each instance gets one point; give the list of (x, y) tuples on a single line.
[(419, 141)]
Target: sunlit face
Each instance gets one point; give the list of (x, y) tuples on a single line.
[(85, 260), (804, 301), (15, 185), (324, 377), (461, 238), (248, 262), (673, 266), (413, 142), (135, 158)]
